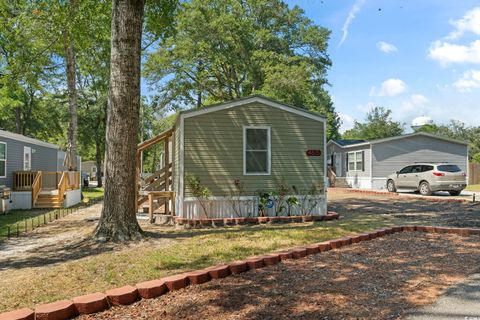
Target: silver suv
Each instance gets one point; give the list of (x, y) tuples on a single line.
[(429, 177)]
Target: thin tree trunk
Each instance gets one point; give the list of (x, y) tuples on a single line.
[(18, 120), (118, 221), (72, 94), (98, 160)]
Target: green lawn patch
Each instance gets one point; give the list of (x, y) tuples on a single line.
[(169, 251), (92, 193), (473, 187), (19, 216)]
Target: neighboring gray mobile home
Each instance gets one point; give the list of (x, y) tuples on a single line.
[(32, 170), (366, 164)]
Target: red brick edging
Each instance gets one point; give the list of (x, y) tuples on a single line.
[(96, 302), (216, 222), (395, 195)]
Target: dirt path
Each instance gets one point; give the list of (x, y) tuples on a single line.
[(380, 279)]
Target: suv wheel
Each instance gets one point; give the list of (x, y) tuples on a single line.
[(391, 186), (425, 189), (455, 193)]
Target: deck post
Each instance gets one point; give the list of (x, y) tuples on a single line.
[(167, 171), (150, 207)]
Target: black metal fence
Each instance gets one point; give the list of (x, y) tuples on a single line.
[(32, 223)]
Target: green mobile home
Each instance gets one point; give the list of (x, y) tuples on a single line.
[(247, 152)]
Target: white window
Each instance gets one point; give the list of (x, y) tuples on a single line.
[(256, 150), (27, 158), (3, 160), (355, 161)]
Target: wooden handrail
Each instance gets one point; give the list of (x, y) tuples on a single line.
[(36, 187), (150, 142), (63, 184)]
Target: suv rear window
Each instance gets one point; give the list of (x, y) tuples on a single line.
[(449, 168), (427, 168)]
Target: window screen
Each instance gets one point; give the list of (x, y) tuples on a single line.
[(257, 151)]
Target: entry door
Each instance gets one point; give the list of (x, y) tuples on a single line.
[(338, 164), (27, 158)]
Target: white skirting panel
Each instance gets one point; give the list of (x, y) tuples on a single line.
[(379, 183), (72, 197), (359, 182), (21, 200), (223, 207)]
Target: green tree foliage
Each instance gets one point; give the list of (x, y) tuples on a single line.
[(226, 49), (25, 71), (378, 124)]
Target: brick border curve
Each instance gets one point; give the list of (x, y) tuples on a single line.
[(396, 195), (96, 302)]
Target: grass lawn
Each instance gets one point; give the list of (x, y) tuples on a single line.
[(92, 193), (473, 187), (15, 216), (168, 251)]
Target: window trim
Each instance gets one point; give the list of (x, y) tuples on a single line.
[(355, 161), (4, 160), (25, 148), (269, 151)]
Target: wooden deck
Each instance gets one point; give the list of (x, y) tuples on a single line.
[(48, 187)]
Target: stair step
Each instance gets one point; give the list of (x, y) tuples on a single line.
[(48, 206)]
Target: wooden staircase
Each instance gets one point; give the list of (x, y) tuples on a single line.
[(49, 200)]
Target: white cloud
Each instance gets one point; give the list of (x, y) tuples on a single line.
[(351, 16), (418, 99), (470, 22), (416, 102), (386, 47), (446, 53), (366, 107), (391, 87), (469, 80), (347, 122)]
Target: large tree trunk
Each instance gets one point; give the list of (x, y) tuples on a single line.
[(72, 94), (118, 221)]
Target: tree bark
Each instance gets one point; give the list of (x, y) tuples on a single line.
[(72, 94), (118, 221)]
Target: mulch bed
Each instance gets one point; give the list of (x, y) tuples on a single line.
[(377, 279)]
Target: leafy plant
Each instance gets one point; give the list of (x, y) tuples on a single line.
[(264, 197), (308, 199), (235, 198), (281, 191), (199, 191), (291, 202)]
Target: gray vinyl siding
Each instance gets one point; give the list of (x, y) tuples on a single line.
[(367, 165), (43, 158), (213, 151), (391, 156)]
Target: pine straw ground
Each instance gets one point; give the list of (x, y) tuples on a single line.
[(378, 279)]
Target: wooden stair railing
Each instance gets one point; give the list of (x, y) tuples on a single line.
[(63, 184), (331, 176), (36, 187)]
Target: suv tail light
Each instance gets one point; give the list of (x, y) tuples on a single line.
[(438, 174), (464, 174)]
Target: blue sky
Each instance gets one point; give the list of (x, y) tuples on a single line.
[(413, 57)]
